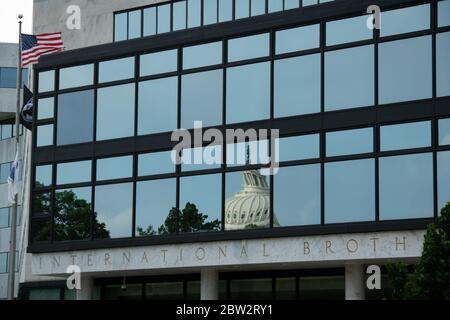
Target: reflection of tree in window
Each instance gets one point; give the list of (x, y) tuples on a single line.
[(190, 220)]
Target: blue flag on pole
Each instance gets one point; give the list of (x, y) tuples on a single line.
[(13, 180)]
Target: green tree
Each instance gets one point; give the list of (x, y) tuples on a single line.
[(431, 277)]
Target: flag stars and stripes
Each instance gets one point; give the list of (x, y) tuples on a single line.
[(35, 46)]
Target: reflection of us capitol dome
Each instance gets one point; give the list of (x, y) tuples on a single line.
[(249, 208)]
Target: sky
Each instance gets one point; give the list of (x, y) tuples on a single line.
[(9, 27)]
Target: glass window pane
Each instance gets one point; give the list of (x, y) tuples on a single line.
[(156, 207), (114, 209), (248, 47), (405, 71), (405, 136), (340, 143), (244, 153), (297, 39), (45, 108), (405, 20), (444, 13), (155, 163), (248, 100), (443, 176), (115, 292), (75, 117), (299, 147), (197, 212), (44, 175), (42, 203), (202, 55), (348, 30), (120, 27), (44, 136), (202, 158), (115, 112), (443, 64), (350, 191), (406, 187), (118, 69), (209, 12), (291, 4), (164, 18), (4, 218), (158, 106), (202, 99), (74, 172), (275, 5), (115, 168), (43, 294), (444, 132), (194, 13), (6, 131), (47, 81), (134, 24), (247, 204), (149, 21), (179, 15), (5, 170), (242, 9), (40, 231), (297, 86), (164, 291), (258, 7), (8, 78), (225, 10), (316, 288), (76, 76), (159, 62), (251, 289), (72, 220), (349, 78), (297, 196)]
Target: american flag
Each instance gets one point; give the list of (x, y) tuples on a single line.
[(34, 46)]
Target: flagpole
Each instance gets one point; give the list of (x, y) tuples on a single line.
[(12, 247)]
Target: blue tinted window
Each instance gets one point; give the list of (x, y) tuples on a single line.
[(134, 24), (291, 4), (154, 202), (405, 136), (115, 168), (46, 108), (75, 117), (443, 175), (76, 76), (74, 172), (258, 7), (405, 20), (159, 62), (297, 85), (46, 81), (350, 191), (405, 71), (443, 64), (348, 30), (44, 135), (155, 163), (179, 15), (114, 208), (299, 147), (349, 78), (118, 69), (225, 10), (340, 143), (158, 106), (202, 158), (5, 170), (150, 21), (275, 5), (164, 18), (297, 196), (443, 13), (115, 112), (121, 27), (248, 47), (247, 99), (406, 187), (444, 132), (4, 219), (298, 39), (242, 9), (202, 98), (209, 11), (8, 78), (44, 176), (194, 13), (243, 153), (202, 55)]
